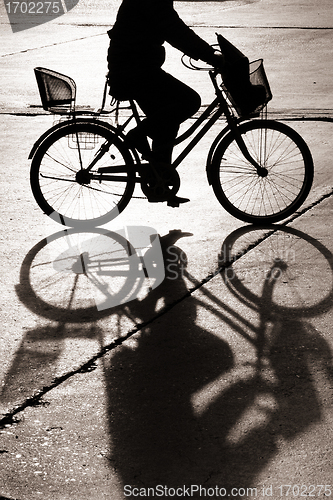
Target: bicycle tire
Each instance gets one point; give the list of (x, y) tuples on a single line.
[(253, 198), (54, 181)]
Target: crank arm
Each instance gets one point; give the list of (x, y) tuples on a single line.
[(112, 170), (116, 178)]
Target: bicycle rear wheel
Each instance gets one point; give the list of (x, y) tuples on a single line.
[(69, 193), (254, 198)]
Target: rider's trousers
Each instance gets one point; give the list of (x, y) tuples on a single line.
[(166, 102)]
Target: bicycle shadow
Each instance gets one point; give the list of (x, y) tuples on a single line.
[(35, 365), (160, 437)]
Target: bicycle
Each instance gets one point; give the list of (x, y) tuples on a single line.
[(84, 170)]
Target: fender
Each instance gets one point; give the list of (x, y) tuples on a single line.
[(77, 120), (213, 148)]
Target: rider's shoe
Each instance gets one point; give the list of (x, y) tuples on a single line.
[(173, 201)]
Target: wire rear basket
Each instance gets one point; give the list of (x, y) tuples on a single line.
[(57, 91), (83, 140), (258, 78)]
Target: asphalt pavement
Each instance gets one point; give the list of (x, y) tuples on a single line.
[(217, 383)]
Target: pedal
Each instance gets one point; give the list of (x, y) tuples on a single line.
[(156, 200), (176, 201)]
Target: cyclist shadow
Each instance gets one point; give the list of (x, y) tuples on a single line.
[(160, 437), (149, 387)]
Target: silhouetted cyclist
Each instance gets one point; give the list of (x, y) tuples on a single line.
[(136, 55)]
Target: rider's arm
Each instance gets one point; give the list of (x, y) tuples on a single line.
[(183, 38)]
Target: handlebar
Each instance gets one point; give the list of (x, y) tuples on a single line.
[(190, 64)]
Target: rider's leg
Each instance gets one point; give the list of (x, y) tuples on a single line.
[(167, 103)]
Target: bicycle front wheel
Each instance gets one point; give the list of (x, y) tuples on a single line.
[(65, 178), (289, 167)]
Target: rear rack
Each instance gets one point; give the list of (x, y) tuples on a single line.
[(58, 94)]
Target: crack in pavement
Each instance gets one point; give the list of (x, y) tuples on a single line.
[(290, 115), (90, 365), (223, 26), (52, 45), (193, 26)]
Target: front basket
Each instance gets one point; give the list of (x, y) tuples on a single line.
[(258, 78)]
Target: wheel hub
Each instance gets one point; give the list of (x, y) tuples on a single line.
[(83, 177), (262, 172)]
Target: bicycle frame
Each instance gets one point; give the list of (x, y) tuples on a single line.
[(214, 111), (222, 109)]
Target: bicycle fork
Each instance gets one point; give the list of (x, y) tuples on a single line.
[(261, 171)]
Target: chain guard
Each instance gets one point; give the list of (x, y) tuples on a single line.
[(160, 181)]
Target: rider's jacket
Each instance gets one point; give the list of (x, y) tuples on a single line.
[(141, 28)]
